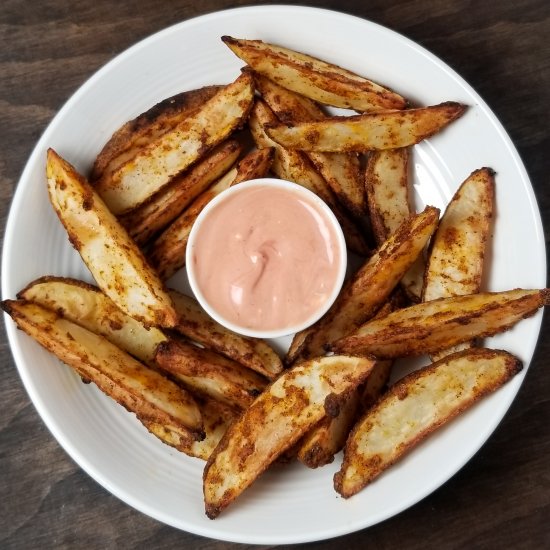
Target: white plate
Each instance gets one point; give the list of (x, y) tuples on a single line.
[(291, 504)]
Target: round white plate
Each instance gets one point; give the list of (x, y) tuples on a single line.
[(288, 504)]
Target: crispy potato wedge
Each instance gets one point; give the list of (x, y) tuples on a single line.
[(88, 307), (275, 421), (415, 407), (390, 204), (313, 78), (210, 374), (167, 253), (439, 324), (115, 261), (216, 417), (361, 133), (128, 140), (143, 391), (457, 250), (340, 170), (156, 164), (369, 288), (295, 166), (254, 165), (147, 220), (195, 324)]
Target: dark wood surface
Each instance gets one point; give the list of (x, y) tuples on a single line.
[(501, 498)]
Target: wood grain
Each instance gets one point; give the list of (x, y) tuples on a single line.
[(501, 498)]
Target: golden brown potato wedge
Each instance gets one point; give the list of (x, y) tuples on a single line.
[(340, 170), (210, 374), (369, 288), (127, 141), (416, 406), (167, 253), (291, 405), (88, 307), (155, 165), (390, 204), (361, 133), (457, 250), (115, 261), (255, 165), (296, 166), (439, 324), (145, 221), (195, 324), (143, 391), (216, 418), (313, 78)]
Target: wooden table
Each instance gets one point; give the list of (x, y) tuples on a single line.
[(501, 498)]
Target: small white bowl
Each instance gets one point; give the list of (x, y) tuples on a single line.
[(204, 217)]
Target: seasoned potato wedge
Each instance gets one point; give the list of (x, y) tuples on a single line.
[(216, 417), (143, 391), (113, 258), (291, 405), (88, 307), (340, 170), (135, 134), (295, 166), (196, 324), (439, 324), (167, 253), (145, 221), (255, 165), (155, 165), (210, 374), (313, 78), (457, 250), (416, 406), (361, 133), (369, 288)]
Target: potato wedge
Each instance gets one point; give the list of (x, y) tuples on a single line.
[(216, 417), (369, 288), (439, 324), (340, 170), (128, 140), (210, 374), (88, 307), (415, 407), (115, 261), (143, 391), (147, 220), (295, 166), (195, 324), (361, 133), (313, 78), (255, 165), (457, 250), (390, 204), (167, 253), (156, 164), (275, 421)]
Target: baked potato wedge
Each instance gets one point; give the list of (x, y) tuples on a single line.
[(87, 306), (147, 220), (135, 134), (314, 78), (291, 405), (139, 389), (436, 325), (361, 133), (194, 323), (254, 165), (416, 406), (132, 183), (369, 288), (114, 259)]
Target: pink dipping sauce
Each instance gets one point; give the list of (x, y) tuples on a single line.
[(266, 258)]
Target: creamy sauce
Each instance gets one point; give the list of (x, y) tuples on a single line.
[(266, 258)]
